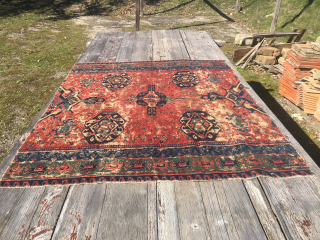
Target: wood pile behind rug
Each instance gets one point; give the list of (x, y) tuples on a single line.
[(311, 91), (297, 65)]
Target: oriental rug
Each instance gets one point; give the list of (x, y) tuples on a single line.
[(145, 121)]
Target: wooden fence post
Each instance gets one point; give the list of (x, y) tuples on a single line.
[(141, 7), (275, 16), (237, 6), (137, 15)]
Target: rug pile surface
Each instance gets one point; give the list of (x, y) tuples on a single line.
[(145, 121)]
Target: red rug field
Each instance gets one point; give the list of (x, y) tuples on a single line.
[(146, 121)]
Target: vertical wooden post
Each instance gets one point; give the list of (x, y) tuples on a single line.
[(291, 38), (137, 15), (275, 16), (237, 6), (141, 7)]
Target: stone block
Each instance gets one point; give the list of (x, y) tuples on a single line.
[(239, 37), (284, 52), (267, 60), (281, 60), (269, 51)]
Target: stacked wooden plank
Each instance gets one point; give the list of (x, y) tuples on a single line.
[(298, 63)]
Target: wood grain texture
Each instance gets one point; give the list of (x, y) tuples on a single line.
[(102, 39), (126, 47), (267, 217), (168, 220), (142, 48), (218, 214), (297, 206), (192, 217), (47, 213), (275, 16), (152, 211), (80, 215), (9, 198), (21, 217), (243, 213), (111, 48), (90, 48), (124, 212), (198, 45)]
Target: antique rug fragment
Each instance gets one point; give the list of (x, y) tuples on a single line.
[(145, 121)]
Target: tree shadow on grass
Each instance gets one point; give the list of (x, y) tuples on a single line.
[(56, 9), (309, 146), (197, 25), (171, 9), (299, 14), (218, 11)]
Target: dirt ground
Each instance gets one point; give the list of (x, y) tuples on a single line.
[(215, 25)]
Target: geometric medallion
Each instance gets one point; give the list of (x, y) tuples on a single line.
[(115, 81), (151, 99), (199, 125), (185, 79), (103, 128)]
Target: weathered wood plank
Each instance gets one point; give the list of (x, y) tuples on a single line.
[(152, 211), (90, 48), (243, 213), (142, 50), (155, 46), (20, 219), (96, 51), (126, 48), (168, 221), (267, 217), (80, 215), (174, 45), (165, 53), (9, 198), (194, 50), (111, 48), (297, 206), (221, 224), (125, 212), (161, 48), (178, 38), (201, 47), (191, 212), (47, 213)]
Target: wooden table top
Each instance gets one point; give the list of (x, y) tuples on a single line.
[(259, 208)]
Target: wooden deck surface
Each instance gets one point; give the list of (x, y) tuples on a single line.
[(260, 208)]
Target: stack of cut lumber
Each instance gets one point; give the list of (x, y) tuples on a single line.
[(298, 63)]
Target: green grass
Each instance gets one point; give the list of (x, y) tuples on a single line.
[(32, 50)]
